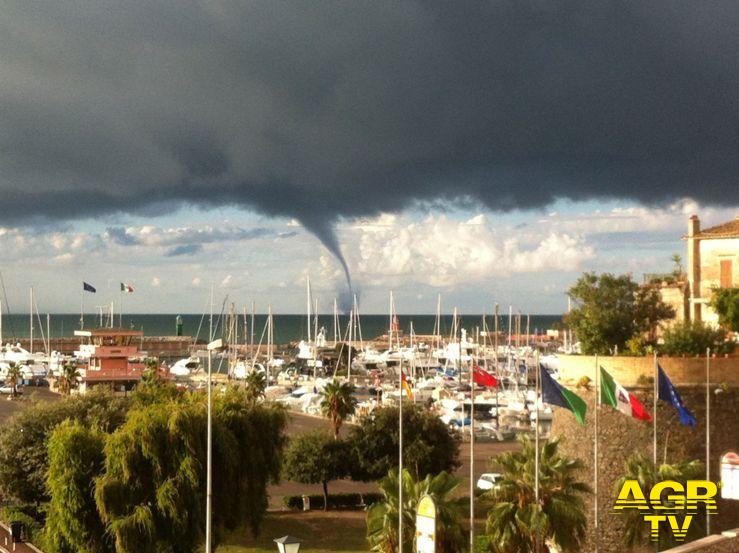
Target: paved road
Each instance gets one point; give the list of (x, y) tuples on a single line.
[(8, 407)]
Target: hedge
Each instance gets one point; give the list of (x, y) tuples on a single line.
[(335, 501)]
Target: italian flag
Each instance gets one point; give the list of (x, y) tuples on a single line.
[(127, 288), (618, 397)]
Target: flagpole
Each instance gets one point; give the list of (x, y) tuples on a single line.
[(708, 430), (120, 314), (595, 454), (536, 437), (655, 392), (82, 308), (472, 451), (400, 450)]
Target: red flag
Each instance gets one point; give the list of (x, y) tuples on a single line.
[(484, 378)]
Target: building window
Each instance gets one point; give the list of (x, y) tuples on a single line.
[(727, 277)]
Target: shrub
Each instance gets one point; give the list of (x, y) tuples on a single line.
[(335, 501), (639, 346), (693, 338)]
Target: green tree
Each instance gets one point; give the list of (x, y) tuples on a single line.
[(382, 517), (640, 468), (517, 522), (256, 384), (429, 447), (72, 521), (24, 460), (338, 403), (693, 338), (151, 495), (650, 311), (68, 377), (316, 458), (725, 301), (610, 310), (13, 376)]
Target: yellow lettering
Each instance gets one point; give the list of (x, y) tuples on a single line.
[(631, 496), (654, 521), (679, 531), (677, 501), (701, 491)]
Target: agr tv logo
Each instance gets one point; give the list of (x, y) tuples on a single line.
[(660, 508)]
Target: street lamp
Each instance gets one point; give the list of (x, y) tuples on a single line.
[(288, 544), (214, 345)]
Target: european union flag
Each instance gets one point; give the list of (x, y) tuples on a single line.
[(88, 287), (668, 393)]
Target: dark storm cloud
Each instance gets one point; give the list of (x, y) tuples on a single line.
[(318, 110)]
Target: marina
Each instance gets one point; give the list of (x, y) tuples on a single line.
[(437, 366)]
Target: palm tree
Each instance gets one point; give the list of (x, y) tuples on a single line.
[(13, 376), (517, 522), (641, 468), (151, 372), (68, 378), (338, 403), (382, 517), (256, 384), (677, 259)]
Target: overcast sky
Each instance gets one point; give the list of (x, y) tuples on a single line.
[(489, 151)]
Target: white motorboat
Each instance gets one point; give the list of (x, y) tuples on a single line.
[(185, 367)]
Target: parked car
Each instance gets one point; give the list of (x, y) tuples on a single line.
[(489, 480)]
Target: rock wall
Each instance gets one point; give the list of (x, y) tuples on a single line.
[(620, 436), (631, 371), (717, 543)]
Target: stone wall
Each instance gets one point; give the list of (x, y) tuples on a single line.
[(620, 436), (728, 542), (633, 371)]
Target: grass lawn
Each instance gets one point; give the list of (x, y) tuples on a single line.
[(319, 532)]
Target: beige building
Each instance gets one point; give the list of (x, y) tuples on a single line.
[(713, 262)]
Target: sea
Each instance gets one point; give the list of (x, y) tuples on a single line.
[(286, 328)]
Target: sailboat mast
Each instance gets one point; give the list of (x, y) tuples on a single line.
[(390, 328), (270, 330), (30, 313), (336, 322), (210, 333), (251, 328), (495, 325), (307, 304), (246, 328), (438, 321)]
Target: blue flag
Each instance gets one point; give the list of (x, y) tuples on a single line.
[(88, 287), (668, 393)]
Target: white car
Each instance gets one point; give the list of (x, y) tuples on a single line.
[(489, 480)]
